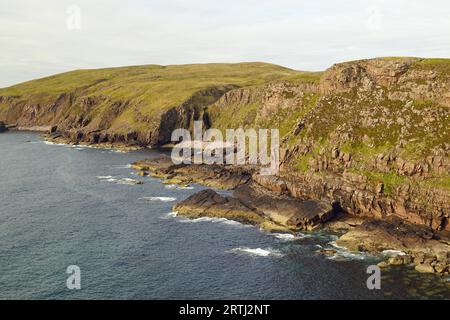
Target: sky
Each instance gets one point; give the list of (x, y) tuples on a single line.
[(41, 38)]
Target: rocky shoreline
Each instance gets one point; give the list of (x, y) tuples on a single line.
[(274, 209), (57, 138), (368, 138)]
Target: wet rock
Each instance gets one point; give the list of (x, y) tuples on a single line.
[(250, 206), (293, 213), (221, 177), (393, 234), (208, 203)]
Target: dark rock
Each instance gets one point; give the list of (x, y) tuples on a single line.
[(293, 213), (3, 127), (208, 203)]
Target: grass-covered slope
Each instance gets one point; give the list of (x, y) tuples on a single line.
[(126, 99), (373, 134)]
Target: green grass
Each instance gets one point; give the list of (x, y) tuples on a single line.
[(438, 65), (441, 182), (305, 77), (302, 163), (391, 181), (149, 89)]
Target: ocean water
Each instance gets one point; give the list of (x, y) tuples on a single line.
[(62, 205)]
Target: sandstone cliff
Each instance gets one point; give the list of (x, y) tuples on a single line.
[(372, 136), (134, 105)]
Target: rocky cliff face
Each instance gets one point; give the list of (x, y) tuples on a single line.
[(71, 117), (139, 105), (371, 135)]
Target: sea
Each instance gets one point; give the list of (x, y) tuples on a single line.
[(64, 205)]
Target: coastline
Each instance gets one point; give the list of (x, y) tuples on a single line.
[(251, 203), (267, 201)]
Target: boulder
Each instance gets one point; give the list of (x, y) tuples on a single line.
[(293, 213), (208, 203), (248, 205), (424, 268)]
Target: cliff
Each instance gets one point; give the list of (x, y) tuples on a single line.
[(372, 135), (133, 105)]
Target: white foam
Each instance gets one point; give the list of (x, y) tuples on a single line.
[(343, 254), (104, 177), (203, 219), (177, 187), (257, 252), (284, 236), (300, 235), (126, 181), (54, 143), (235, 223), (216, 220), (125, 166), (163, 199), (393, 253), (172, 214)]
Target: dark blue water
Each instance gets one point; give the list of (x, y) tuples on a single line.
[(62, 206)]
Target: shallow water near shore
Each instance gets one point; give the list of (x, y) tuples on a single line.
[(64, 205)]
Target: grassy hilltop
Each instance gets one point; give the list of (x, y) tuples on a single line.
[(146, 90)]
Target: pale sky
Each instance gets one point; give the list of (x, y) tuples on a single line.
[(40, 38)]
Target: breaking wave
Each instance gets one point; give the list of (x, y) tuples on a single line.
[(125, 181), (215, 220), (163, 199), (284, 236), (54, 143), (393, 253), (257, 252), (177, 187), (343, 254), (123, 166)]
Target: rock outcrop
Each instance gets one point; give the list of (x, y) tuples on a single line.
[(216, 176), (293, 213), (419, 246), (250, 202), (266, 201), (369, 136), (138, 105), (208, 203)]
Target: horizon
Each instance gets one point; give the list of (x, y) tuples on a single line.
[(52, 37), (206, 63)]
